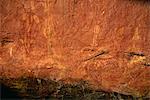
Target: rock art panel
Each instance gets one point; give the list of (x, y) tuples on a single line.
[(105, 42)]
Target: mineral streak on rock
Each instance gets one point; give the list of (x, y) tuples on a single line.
[(50, 38)]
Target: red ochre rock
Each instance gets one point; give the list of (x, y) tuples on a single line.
[(104, 42)]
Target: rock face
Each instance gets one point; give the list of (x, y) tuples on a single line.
[(104, 42)]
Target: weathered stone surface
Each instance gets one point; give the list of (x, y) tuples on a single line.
[(105, 42)]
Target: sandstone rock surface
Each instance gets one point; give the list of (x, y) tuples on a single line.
[(105, 42)]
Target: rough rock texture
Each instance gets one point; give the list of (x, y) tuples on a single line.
[(104, 42)]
